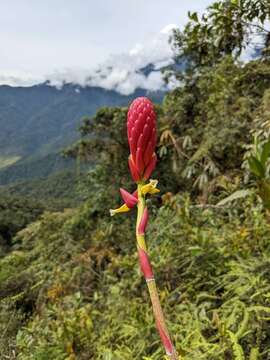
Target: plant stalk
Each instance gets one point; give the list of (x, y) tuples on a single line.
[(151, 283)]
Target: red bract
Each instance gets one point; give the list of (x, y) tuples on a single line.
[(129, 199), (165, 339), (142, 133), (143, 223), (145, 265)]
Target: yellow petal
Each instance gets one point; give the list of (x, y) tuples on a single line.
[(121, 209), (150, 188)]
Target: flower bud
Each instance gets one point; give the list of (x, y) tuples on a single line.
[(141, 131)]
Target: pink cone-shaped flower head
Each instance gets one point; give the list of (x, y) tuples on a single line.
[(142, 133)]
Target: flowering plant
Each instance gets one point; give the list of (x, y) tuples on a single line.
[(142, 134)]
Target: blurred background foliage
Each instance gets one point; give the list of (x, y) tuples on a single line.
[(70, 286)]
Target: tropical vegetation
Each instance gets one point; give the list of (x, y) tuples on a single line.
[(70, 284)]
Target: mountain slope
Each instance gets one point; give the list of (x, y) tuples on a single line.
[(38, 121), (41, 118)]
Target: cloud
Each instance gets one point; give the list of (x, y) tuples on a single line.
[(17, 78), (256, 42), (168, 29), (121, 72)]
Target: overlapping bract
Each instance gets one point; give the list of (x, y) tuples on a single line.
[(130, 200), (142, 138)]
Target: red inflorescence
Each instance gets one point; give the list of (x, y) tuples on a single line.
[(142, 134)]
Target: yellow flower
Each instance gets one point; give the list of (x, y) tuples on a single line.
[(121, 209), (150, 188)]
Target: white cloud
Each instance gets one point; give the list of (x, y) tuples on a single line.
[(136, 50), (18, 78), (121, 72), (256, 42), (168, 29)]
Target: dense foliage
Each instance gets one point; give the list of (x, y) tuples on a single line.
[(27, 169), (76, 272), (70, 286), (58, 190), (15, 214)]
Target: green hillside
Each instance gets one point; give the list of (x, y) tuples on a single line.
[(8, 160), (61, 188), (70, 283), (29, 169), (37, 122), (42, 119)]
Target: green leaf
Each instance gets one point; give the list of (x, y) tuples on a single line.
[(264, 192), (254, 354), (195, 250), (193, 16), (256, 167), (237, 348), (239, 194), (265, 152)]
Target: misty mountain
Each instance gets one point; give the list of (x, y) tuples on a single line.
[(37, 122)]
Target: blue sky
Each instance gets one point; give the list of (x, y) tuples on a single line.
[(43, 37)]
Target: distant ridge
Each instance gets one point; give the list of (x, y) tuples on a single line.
[(38, 121)]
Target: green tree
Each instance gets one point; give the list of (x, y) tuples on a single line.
[(227, 27)]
